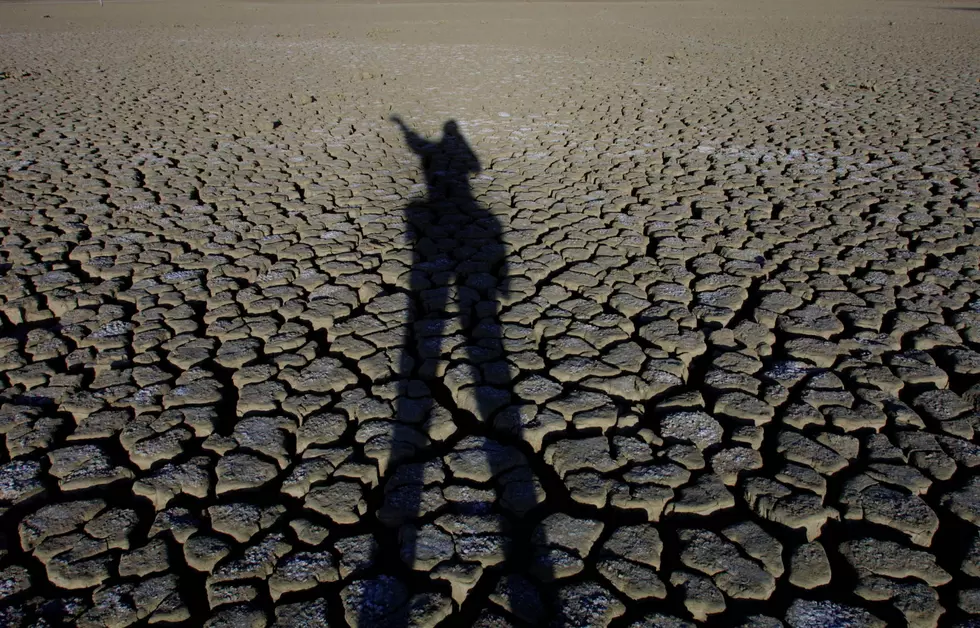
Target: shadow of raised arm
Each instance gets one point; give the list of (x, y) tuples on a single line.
[(418, 144)]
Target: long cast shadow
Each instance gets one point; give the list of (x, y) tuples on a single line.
[(459, 272)]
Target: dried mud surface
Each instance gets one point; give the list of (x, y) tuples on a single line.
[(678, 324)]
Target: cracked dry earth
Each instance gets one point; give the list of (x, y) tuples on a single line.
[(726, 375)]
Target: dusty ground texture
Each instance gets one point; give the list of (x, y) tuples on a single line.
[(680, 324)]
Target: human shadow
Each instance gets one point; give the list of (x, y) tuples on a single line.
[(459, 274)]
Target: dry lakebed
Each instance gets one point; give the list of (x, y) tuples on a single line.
[(648, 315)]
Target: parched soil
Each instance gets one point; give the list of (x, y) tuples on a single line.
[(491, 314)]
